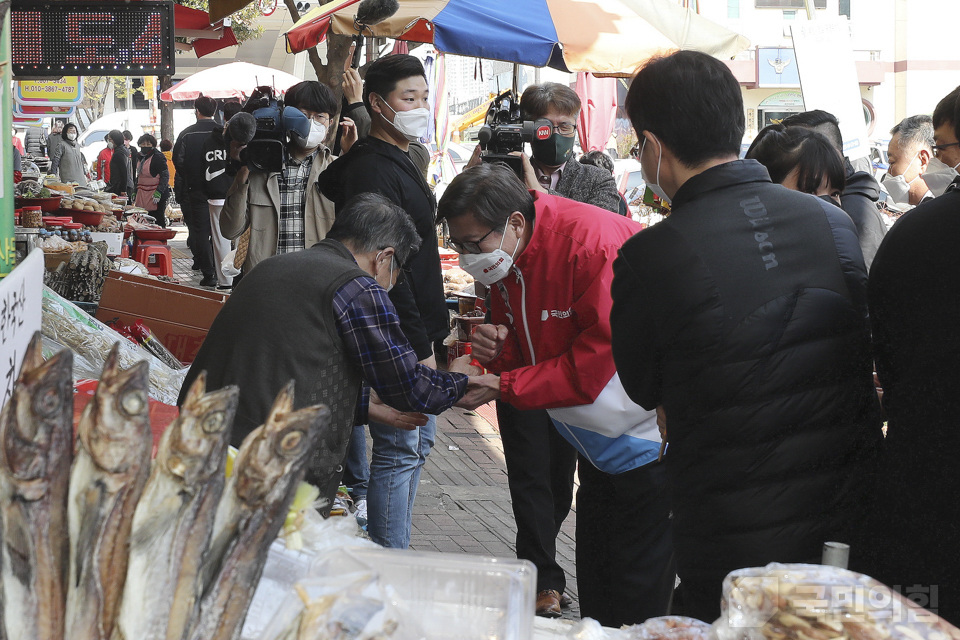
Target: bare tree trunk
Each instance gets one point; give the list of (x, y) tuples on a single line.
[(166, 111)]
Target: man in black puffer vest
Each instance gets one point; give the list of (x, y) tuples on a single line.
[(322, 318), (742, 317)]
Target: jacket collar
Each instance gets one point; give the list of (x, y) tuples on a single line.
[(719, 177), (543, 218)]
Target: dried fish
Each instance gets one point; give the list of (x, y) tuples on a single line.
[(36, 436), (270, 465), (110, 469), (174, 518)]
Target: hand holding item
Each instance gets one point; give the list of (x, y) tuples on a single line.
[(379, 412), (529, 175), (352, 84), (462, 365), (474, 158), (235, 149), (488, 341), (350, 134), (480, 390)]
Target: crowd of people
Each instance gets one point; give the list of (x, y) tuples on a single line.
[(714, 380)]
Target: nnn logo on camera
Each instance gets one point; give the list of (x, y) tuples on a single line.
[(544, 132)]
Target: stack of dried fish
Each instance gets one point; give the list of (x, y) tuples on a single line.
[(100, 544)]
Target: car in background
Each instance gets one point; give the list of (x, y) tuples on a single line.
[(136, 121), (878, 157), (628, 176), (460, 154)]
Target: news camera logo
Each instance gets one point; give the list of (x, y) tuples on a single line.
[(757, 602), (544, 132)]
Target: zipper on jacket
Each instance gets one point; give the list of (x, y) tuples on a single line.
[(523, 313)]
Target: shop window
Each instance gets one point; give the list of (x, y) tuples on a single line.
[(789, 15), (845, 8), (788, 4), (733, 8)]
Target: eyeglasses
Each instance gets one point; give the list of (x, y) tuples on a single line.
[(470, 247), (937, 148), (565, 128), (319, 118)]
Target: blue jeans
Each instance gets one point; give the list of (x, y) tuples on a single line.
[(356, 470), (398, 457)]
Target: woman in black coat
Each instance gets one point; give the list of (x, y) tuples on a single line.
[(121, 177)]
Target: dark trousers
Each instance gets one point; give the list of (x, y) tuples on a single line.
[(198, 224), (625, 567), (161, 213), (540, 468)]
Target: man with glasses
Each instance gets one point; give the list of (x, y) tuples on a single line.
[(549, 263), (540, 463), (283, 210), (914, 304)]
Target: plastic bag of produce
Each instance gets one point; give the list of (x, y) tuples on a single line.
[(67, 324), (815, 602)]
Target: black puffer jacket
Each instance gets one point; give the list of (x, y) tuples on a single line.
[(859, 201), (744, 314), (375, 166)]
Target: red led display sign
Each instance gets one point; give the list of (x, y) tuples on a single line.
[(92, 37)]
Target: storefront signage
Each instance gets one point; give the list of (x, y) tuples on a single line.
[(92, 37), (21, 295), (61, 92), (783, 100), (26, 111), (777, 68)]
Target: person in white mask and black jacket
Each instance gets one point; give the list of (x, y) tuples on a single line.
[(283, 210), (396, 95), (67, 161), (909, 153)]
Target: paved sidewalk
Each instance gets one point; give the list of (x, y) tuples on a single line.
[(463, 504)]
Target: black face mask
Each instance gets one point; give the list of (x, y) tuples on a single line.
[(145, 151), (554, 151)]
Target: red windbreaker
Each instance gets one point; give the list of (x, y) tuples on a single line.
[(556, 302)]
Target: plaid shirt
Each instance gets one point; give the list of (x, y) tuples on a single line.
[(370, 329), (293, 186)]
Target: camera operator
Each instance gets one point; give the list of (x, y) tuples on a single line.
[(188, 160), (283, 210)]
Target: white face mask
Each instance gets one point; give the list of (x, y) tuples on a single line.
[(71, 136), (412, 124), (654, 185), (489, 268), (897, 186), (389, 286), (317, 133), (938, 177)]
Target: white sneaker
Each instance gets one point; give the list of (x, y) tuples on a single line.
[(360, 511)]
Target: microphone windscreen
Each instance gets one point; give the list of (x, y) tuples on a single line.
[(242, 127), (371, 12)]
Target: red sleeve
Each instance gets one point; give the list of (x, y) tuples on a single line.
[(511, 357), (578, 375)]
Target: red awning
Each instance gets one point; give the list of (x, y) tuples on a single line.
[(187, 19)]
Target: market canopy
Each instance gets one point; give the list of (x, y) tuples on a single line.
[(232, 80), (195, 25), (609, 37)]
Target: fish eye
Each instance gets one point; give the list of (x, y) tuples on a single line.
[(133, 402), (214, 422), (291, 441), (47, 402)]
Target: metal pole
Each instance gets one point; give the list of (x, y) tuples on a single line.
[(516, 78), (811, 11)]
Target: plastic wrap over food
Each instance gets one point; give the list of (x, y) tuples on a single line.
[(86, 336), (815, 602), (82, 369)]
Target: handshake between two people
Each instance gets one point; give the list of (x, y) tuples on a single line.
[(488, 341)]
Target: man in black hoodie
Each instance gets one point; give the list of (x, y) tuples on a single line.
[(216, 183), (188, 160), (395, 94), (860, 196)]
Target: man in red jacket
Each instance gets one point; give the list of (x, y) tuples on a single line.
[(549, 262)]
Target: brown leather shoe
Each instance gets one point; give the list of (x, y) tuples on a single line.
[(548, 604), (565, 601)]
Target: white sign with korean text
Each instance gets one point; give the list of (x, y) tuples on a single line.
[(21, 298), (828, 79)]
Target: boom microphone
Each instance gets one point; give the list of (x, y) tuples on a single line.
[(371, 12), (242, 127)]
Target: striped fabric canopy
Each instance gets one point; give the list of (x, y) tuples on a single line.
[(601, 36)]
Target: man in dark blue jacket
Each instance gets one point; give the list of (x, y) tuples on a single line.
[(743, 318)]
